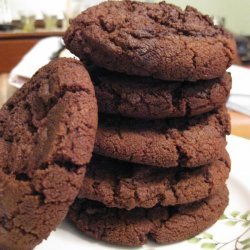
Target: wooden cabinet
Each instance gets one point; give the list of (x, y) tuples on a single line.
[(13, 45)]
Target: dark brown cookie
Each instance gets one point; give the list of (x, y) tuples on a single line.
[(149, 39), (47, 134), (189, 142), (126, 185), (135, 227), (148, 98)]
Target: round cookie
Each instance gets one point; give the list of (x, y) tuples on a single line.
[(148, 98), (126, 185), (135, 227), (186, 142), (47, 134), (151, 39)]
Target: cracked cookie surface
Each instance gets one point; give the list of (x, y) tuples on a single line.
[(149, 39), (148, 98), (47, 133), (126, 185), (189, 142), (135, 227)]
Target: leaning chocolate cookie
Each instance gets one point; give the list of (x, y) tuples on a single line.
[(47, 134), (151, 39), (135, 227), (186, 142)]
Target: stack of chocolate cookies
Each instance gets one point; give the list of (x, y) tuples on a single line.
[(160, 163)]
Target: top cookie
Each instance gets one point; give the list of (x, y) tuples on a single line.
[(149, 39), (47, 133)]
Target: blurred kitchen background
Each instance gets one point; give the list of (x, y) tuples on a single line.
[(31, 31)]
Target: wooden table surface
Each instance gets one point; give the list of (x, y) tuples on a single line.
[(240, 122)]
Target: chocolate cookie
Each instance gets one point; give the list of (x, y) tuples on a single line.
[(47, 134), (135, 227), (148, 98), (189, 142), (149, 39), (126, 185)]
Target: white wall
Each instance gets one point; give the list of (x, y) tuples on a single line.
[(36, 7), (237, 13)]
